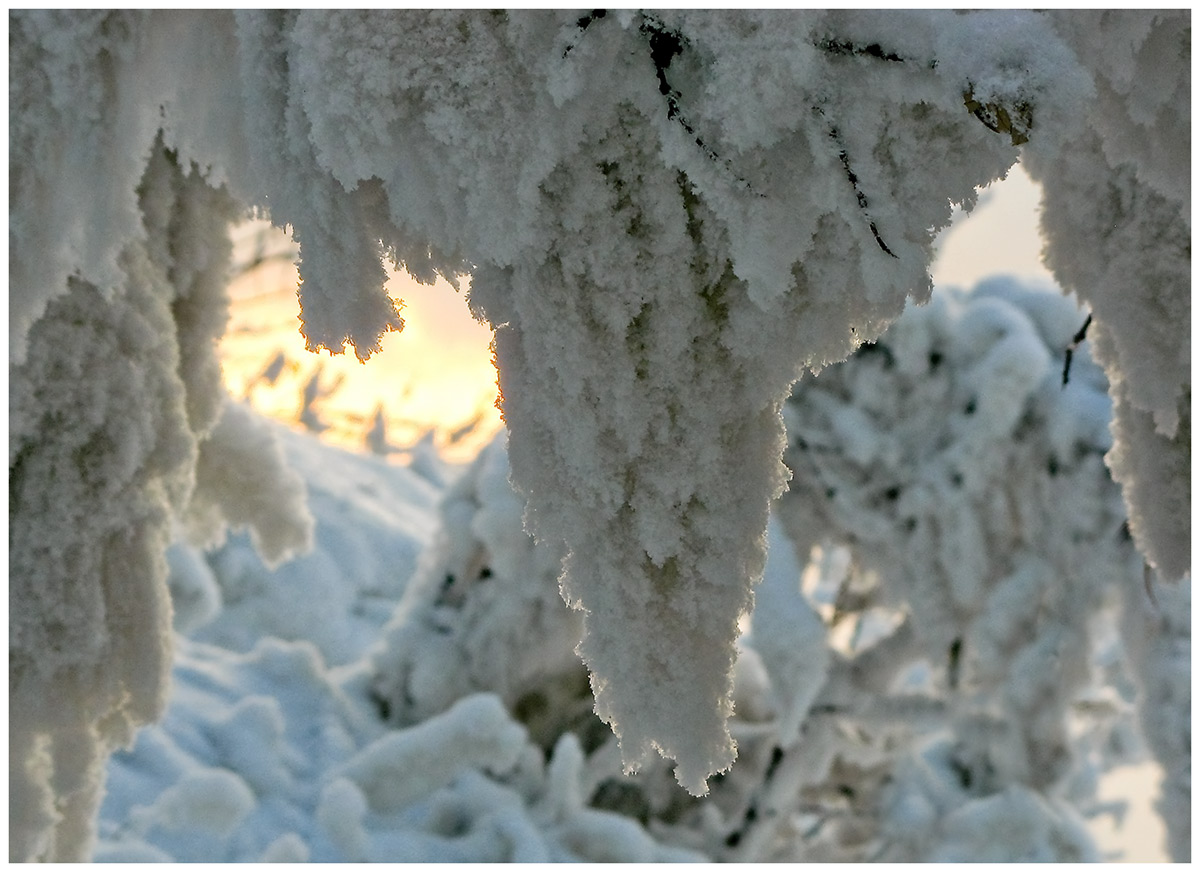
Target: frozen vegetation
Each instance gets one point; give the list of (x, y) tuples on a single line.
[(669, 219), (408, 690)]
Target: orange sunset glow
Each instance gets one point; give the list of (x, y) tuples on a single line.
[(434, 377)]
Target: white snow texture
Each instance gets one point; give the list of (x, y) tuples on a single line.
[(668, 218)]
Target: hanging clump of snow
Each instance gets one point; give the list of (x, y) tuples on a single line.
[(119, 257), (651, 310), (76, 156), (1117, 219), (115, 401), (100, 451)]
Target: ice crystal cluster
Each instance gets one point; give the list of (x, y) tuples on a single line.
[(667, 217)]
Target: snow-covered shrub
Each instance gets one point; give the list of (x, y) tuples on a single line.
[(933, 712), (984, 537), (483, 613), (1158, 633)]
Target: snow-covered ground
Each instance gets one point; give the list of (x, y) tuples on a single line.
[(274, 747)]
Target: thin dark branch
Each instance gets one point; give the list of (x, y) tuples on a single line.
[(665, 44), (1079, 336), (845, 47), (1081, 333), (583, 24), (874, 51), (734, 838), (1148, 581), (859, 195)]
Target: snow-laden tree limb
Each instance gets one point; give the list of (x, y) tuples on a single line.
[(669, 217), (1117, 218)]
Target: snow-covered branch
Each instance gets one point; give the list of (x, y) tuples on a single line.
[(668, 217)]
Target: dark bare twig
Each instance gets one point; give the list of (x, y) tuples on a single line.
[(665, 45), (1079, 336), (872, 51), (845, 47), (734, 838), (583, 24), (844, 157), (955, 656)]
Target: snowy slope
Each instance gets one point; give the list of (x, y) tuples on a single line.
[(274, 748), (374, 520)]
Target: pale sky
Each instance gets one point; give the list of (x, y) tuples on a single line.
[(999, 236), (436, 373)]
